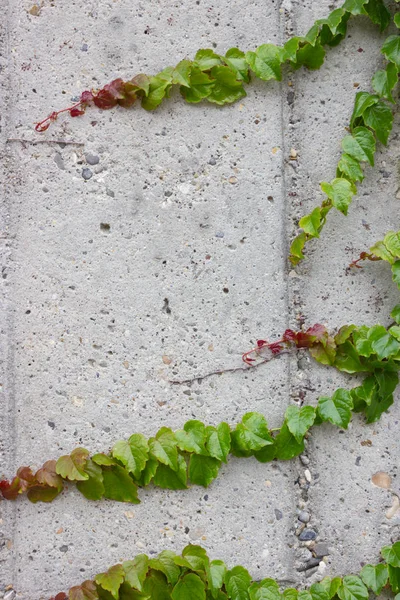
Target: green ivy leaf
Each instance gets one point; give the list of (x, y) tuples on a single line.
[(136, 571), (375, 577), (166, 564), (236, 60), (382, 343), (378, 13), (291, 48), (148, 472), (344, 333), (296, 248), (159, 87), (265, 62), (380, 119), (331, 586), (200, 86), (92, 488), (72, 466), (226, 88), (189, 587), (266, 454), (347, 359), (395, 314), (299, 420), (133, 453), (286, 444), (364, 394), (111, 580), (340, 191), (380, 250), (290, 594), (218, 441), (394, 578), (206, 59), (337, 409), (383, 82), (251, 434), (363, 101), (318, 592), (196, 557), (360, 145), (192, 437), (169, 479), (355, 7), (267, 589), (392, 242), (397, 20), (304, 595), (350, 167), (128, 593), (42, 493), (216, 572), (156, 586), (203, 469), (181, 74), (118, 485), (163, 448), (237, 582), (310, 56), (311, 223), (103, 460), (352, 588), (392, 554), (396, 273), (391, 49)]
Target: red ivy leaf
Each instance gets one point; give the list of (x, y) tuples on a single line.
[(76, 112)]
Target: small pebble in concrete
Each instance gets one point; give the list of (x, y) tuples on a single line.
[(63, 548), (110, 193), (304, 516), (105, 227), (10, 595), (219, 234), (92, 159), (212, 161), (58, 159), (304, 459), (320, 549), (87, 173), (278, 514), (307, 534)]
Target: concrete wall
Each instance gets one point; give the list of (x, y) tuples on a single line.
[(201, 204)]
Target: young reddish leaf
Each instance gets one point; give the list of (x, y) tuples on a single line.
[(72, 466), (86, 591), (47, 475)]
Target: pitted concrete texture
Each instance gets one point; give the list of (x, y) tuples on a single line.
[(156, 250)]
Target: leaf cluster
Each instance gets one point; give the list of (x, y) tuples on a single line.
[(193, 576), (371, 122), (195, 453)]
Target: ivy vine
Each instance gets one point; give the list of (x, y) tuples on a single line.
[(195, 453), (192, 575)]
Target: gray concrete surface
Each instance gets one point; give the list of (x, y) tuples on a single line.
[(87, 342)]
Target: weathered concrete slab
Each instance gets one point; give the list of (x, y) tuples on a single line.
[(167, 262)]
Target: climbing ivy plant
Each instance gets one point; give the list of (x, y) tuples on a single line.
[(194, 454)]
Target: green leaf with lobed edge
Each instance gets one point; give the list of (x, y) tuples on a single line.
[(201, 86), (350, 168), (286, 445), (159, 87), (118, 485), (203, 469), (375, 577), (170, 479), (163, 447), (267, 589), (133, 453), (391, 49), (384, 82), (206, 59), (165, 563), (299, 420), (363, 101), (379, 118), (216, 572), (189, 587), (394, 578), (392, 554), (236, 60), (226, 88), (396, 272), (360, 145), (336, 409), (72, 466), (93, 487), (218, 441), (266, 61), (237, 582), (136, 571), (251, 434), (395, 314), (352, 588), (192, 437), (340, 191), (111, 580), (311, 223)]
